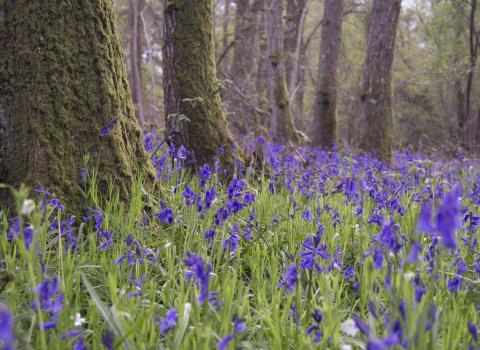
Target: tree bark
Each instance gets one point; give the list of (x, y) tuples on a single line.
[(136, 50), (281, 123), (325, 115), (295, 55), (377, 96), (62, 81), (194, 117)]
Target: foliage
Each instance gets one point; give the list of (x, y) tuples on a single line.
[(302, 250)]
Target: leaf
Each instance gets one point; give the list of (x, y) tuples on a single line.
[(114, 322), (187, 308)]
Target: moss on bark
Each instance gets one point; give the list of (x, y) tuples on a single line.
[(194, 116), (62, 80)]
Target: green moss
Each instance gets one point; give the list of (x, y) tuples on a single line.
[(190, 74), (65, 81)]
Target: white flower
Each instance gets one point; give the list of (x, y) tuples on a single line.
[(27, 206), (79, 320), (349, 327), (346, 347)]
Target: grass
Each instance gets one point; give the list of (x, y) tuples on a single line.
[(247, 278)]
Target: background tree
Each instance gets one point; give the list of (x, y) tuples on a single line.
[(281, 123), (136, 8), (325, 118), (62, 82), (194, 117), (377, 97)]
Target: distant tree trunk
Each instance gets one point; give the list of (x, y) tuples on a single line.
[(225, 44), (377, 96), (194, 117), (296, 14), (244, 46), (136, 51), (325, 115), (62, 81), (261, 85), (237, 97), (281, 123)]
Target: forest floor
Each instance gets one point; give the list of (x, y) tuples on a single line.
[(305, 250)]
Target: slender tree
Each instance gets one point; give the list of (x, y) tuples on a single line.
[(281, 123), (136, 50), (63, 85), (325, 117), (194, 117), (377, 97)]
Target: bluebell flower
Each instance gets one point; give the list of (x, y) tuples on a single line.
[(448, 219), (204, 174), (108, 339), (106, 131), (165, 216), (49, 299), (168, 322), (200, 272), (107, 241), (307, 215), (313, 248), (7, 332), (377, 259), (249, 198), (139, 284), (231, 243), (238, 327), (349, 273), (473, 329), (290, 279), (189, 195), (209, 234)]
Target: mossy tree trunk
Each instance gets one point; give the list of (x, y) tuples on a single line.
[(62, 81), (281, 123), (194, 117), (325, 114), (377, 96)]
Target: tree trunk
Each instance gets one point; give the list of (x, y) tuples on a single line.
[(281, 123), (62, 81), (377, 96), (194, 117), (136, 50), (295, 55), (325, 115)]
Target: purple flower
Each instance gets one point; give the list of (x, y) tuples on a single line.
[(7, 333), (307, 215), (232, 241), (204, 174), (249, 198), (448, 219), (28, 233), (169, 322), (473, 329), (349, 273), (313, 248), (223, 344), (107, 241), (49, 299), (165, 216), (238, 327), (108, 339), (189, 195), (108, 128), (200, 272), (377, 259), (290, 279)]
